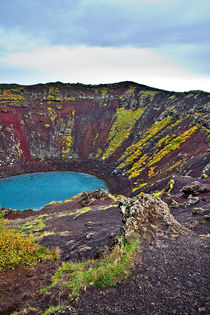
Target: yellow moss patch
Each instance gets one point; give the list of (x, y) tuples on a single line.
[(67, 137), (53, 94), (148, 93), (140, 186), (112, 197), (128, 93), (173, 145), (98, 153), (71, 98), (134, 151), (102, 90), (125, 121), (12, 96), (52, 113), (138, 166)]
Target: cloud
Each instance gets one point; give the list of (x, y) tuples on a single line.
[(172, 33), (148, 24), (193, 57), (93, 65), (15, 40), (140, 2)]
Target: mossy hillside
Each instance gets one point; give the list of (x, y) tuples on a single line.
[(140, 161), (121, 128), (66, 149), (12, 96), (120, 125), (134, 151), (171, 144)]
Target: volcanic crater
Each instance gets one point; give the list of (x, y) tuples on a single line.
[(141, 141)]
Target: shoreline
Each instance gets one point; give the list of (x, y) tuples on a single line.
[(117, 183)]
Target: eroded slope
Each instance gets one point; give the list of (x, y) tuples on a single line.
[(126, 129)]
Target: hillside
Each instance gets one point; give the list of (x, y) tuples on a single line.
[(132, 131), (151, 146)]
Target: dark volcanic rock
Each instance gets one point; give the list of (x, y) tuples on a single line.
[(194, 189)]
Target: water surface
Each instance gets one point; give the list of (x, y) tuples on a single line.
[(37, 189)]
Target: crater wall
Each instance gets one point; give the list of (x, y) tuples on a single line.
[(131, 135)]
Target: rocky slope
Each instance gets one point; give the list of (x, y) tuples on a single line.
[(129, 131), (171, 272), (138, 139)]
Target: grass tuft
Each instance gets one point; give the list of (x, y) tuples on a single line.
[(53, 309), (101, 273)]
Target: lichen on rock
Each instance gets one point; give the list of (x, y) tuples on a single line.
[(147, 216)]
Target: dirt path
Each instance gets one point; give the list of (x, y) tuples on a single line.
[(170, 276)]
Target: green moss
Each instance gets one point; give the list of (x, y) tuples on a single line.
[(12, 97), (107, 271), (178, 163), (124, 122), (17, 249), (102, 91), (128, 93), (189, 95), (54, 309), (146, 93), (172, 97), (98, 153), (66, 149), (42, 235), (53, 94), (135, 150), (81, 211), (169, 143), (173, 145), (95, 139), (140, 186), (34, 226), (205, 219), (204, 129), (163, 140)]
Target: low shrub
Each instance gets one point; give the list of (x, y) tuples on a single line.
[(17, 249)]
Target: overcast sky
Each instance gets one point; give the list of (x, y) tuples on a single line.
[(160, 43)]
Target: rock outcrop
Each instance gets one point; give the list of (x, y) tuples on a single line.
[(194, 189), (148, 216)]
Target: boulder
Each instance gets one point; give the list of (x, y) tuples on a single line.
[(147, 216), (196, 211), (88, 198), (193, 189)]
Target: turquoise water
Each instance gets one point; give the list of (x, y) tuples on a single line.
[(37, 189)]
